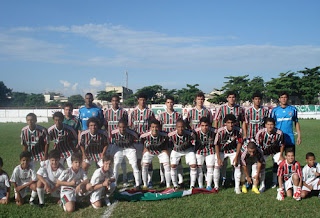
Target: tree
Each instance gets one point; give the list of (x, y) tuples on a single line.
[(187, 95), (53, 103), (310, 85), (105, 96), (34, 100), (76, 100), (130, 101), (5, 93), (18, 99), (255, 85), (154, 93)]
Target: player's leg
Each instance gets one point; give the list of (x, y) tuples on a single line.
[(40, 191), (243, 181), (130, 153), (33, 188), (174, 159), (118, 159), (124, 172), (162, 176), (216, 171), (254, 170), (139, 148), (150, 174), (224, 172), (95, 197), (164, 159), (237, 172), (296, 188), (200, 160), (19, 197), (109, 192), (146, 161), (180, 172), (191, 160), (86, 164), (210, 160)]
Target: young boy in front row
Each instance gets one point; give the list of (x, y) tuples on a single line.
[(48, 174), (310, 176), (102, 183), (289, 177), (24, 179), (73, 182), (4, 185)]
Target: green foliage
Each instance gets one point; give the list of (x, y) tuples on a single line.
[(34, 100), (5, 93), (53, 103), (130, 101), (310, 85), (154, 94), (18, 99), (76, 100), (186, 95), (105, 96)]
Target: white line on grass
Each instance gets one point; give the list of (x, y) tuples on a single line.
[(107, 213)]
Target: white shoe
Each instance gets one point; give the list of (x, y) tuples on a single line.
[(237, 191), (107, 201), (262, 189), (125, 184)]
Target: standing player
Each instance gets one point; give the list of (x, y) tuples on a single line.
[(112, 117), (228, 143), (4, 185), (183, 145), (270, 140), (90, 110), (71, 120), (34, 138), (63, 137), (205, 151), (310, 176), (284, 116)]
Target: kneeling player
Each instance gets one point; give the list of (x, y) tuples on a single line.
[(48, 174), (289, 177), (183, 145), (155, 144), (73, 182), (102, 183), (24, 179), (310, 176), (252, 160), (4, 185)]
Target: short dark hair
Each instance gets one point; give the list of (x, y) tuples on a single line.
[(229, 117), (93, 120), (269, 119), (32, 115), (252, 145), (58, 114), (1, 162), (231, 92), (123, 120), (289, 150), (154, 121), (170, 97), (180, 121), (281, 93), (25, 154), (205, 120), (310, 154), (115, 96), (257, 94), (55, 154), (142, 95), (77, 156), (89, 93), (107, 158), (199, 95), (68, 104)]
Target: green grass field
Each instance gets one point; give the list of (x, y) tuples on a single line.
[(225, 203)]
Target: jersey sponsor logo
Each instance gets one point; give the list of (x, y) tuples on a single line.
[(139, 121), (113, 123), (254, 121), (284, 119)]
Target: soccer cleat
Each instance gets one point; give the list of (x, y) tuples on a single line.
[(255, 190), (31, 203), (200, 187), (144, 188), (209, 188), (150, 185), (107, 202), (262, 189), (237, 191), (244, 189), (319, 195), (162, 184), (181, 185), (223, 183), (217, 189), (125, 184), (191, 187), (297, 195)]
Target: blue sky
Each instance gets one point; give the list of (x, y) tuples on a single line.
[(74, 47)]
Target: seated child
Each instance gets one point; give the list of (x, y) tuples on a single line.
[(310, 175), (4, 185)]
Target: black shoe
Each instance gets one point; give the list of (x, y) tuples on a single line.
[(162, 185), (32, 203), (40, 205), (181, 185)]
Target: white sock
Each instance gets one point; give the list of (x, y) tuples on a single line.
[(124, 170), (150, 173), (209, 176), (237, 176), (200, 176), (174, 176), (166, 167), (295, 189), (116, 171), (40, 192), (180, 172), (193, 176), (136, 174), (162, 177), (145, 175), (263, 177), (216, 176), (33, 195)]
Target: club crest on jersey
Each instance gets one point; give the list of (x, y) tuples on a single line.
[(93, 113), (290, 113)]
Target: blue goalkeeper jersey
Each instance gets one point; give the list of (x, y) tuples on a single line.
[(284, 118), (86, 113)]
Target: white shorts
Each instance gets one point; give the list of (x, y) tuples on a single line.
[(139, 147), (289, 183), (56, 192), (147, 157), (68, 194), (210, 159), (110, 150), (189, 153), (97, 195), (252, 169), (90, 162), (68, 159), (120, 153), (223, 156), (3, 194), (314, 185), (275, 158)]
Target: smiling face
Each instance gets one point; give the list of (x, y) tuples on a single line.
[(154, 128), (290, 157), (122, 128), (76, 165), (25, 161), (93, 127), (229, 125), (311, 161), (106, 165), (199, 102), (54, 163)]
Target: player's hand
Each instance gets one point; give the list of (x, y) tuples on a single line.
[(281, 158), (317, 174), (47, 188), (280, 195), (256, 177), (235, 162), (78, 189), (112, 179), (6, 201), (299, 140), (220, 163), (73, 182), (18, 188), (249, 180), (106, 183)]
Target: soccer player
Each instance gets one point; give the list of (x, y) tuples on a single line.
[(34, 138), (102, 183), (183, 145), (289, 177), (228, 143), (271, 141), (93, 143), (205, 151), (123, 139), (73, 182), (252, 161), (310, 175), (138, 121), (90, 110), (285, 115), (4, 185), (112, 117), (70, 119), (155, 144), (47, 175), (24, 179), (63, 137), (254, 117)]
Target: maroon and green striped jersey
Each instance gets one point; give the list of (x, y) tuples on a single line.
[(74, 122), (155, 144), (126, 140), (112, 118), (63, 139), (194, 116), (168, 121), (184, 142), (270, 143), (138, 120), (228, 141), (286, 170), (205, 141), (35, 141), (93, 144), (255, 118), (236, 110)]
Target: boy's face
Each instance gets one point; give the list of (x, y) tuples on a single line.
[(199, 101), (256, 101), (169, 104), (204, 127), (88, 99), (106, 165), (231, 99), (142, 102), (115, 102), (31, 121), (269, 126), (54, 163), (290, 157), (180, 128), (68, 111), (311, 161), (58, 121), (154, 128), (122, 128), (283, 99), (93, 127), (251, 151), (229, 125), (76, 164), (25, 161)]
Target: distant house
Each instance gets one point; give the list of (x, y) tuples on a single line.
[(123, 92)]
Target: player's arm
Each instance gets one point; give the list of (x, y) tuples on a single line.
[(245, 169), (81, 184), (217, 148), (244, 129), (16, 191), (18, 188), (65, 183), (298, 132), (259, 166)]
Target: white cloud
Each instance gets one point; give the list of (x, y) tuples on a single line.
[(65, 84), (108, 84), (74, 87), (95, 82)]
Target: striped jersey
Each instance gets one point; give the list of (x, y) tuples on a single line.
[(74, 122), (236, 110), (93, 144), (182, 143), (155, 144), (247, 159), (126, 140), (35, 141), (286, 170), (138, 120), (205, 141), (112, 118), (308, 175), (168, 121), (63, 139), (194, 116), (86, 113), (23, 176), (255, 118), (269, 143), (228, 141)]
